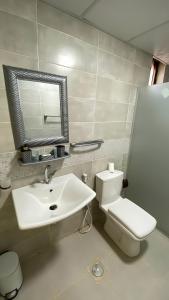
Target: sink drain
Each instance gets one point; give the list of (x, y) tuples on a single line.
[(97, 270), (53, 207)]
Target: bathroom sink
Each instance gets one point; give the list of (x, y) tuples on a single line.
[(41, 204)]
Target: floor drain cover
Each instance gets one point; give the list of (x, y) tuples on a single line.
[(97, 270)]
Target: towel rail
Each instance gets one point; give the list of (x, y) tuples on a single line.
[(86, 143)]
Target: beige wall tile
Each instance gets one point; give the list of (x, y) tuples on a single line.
[(112, 148), (6, 138), (54, 18), (109, 43), (12, 238), (81, 131), (78, 169), (33, 244), (17, 172), (110, 130), (4, 112), (22, 8), (130, 114), (125, 163), (80, 84), (57, 47), (54, 68), (7, 213), (6, 159), (99, 165), (114, 66), (81, 110), (15, 60), (143, 59), (107, 112), (112, 90), (64, 228), (141, 76), (133, 95), (129, 127), (79, 157), (17, 35)]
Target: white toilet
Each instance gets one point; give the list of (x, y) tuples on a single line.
[(126, 223)]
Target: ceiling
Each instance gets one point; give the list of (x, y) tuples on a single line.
[(142, 23)]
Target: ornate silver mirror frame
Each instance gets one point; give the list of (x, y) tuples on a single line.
[(12, 75)]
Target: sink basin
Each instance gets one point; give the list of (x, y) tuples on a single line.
[(41, 204)]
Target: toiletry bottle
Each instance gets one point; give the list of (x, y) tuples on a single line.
[(26, 154)]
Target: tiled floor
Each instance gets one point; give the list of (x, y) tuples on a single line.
[(63, 272)]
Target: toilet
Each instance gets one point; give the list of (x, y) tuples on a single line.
[(127, 224)]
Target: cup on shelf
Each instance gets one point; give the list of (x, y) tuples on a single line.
[(60, 150)]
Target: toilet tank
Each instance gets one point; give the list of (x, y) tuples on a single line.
[(108, 186)]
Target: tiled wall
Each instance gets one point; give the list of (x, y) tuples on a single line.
[(103, 74)]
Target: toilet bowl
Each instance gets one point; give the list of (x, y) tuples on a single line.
[(126, 223)]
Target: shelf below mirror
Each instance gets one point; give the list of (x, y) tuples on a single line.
[(67, 155)]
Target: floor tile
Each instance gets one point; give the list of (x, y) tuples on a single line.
[(88, 288), (63, 271)]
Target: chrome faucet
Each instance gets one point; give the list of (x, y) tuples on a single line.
[(48, 177)]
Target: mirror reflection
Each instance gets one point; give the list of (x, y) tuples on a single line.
[(40, 105)]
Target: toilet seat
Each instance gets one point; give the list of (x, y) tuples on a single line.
[(135, 219)]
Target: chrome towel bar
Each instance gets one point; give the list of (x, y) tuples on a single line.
[(50, 116), (86, 143)]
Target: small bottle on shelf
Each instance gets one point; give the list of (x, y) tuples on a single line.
[(26, 154)]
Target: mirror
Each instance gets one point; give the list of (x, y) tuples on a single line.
[(38, 107)]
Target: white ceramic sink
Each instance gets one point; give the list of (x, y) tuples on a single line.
[(34, 203)]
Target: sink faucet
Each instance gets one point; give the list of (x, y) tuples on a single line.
[(48, 177)]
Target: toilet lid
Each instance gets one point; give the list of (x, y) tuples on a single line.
[(133, 217)]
